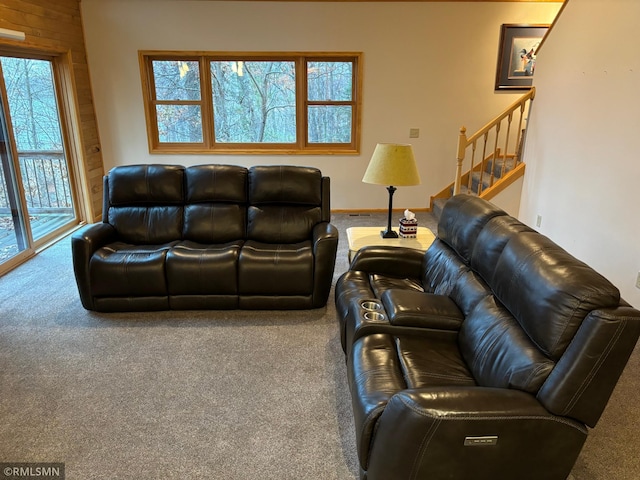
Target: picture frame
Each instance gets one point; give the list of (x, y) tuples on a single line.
[(517, 55)]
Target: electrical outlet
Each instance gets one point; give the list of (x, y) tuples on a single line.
[(414, 133), (638, 281), (539, 221)]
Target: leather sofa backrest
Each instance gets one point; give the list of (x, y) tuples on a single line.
[(462, 219), (215, 203), (444, 273), (285, 203), (460, 263), (153, 204), (145, 202), (551, 326), (498, 351), (555, 329), (548, 291), (490, 243), (446, 268)]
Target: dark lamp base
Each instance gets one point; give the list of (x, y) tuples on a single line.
[(388, 234)]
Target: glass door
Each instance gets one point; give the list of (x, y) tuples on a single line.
[(14, 239), (36, 198)]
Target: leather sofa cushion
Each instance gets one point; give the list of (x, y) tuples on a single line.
[(410, 308), (499, 353), (468, 290), (432, 360), (216, 203), (490, 243), (446, 274), (442, 268), (214, 222), (121, 269), (146, 185), (196, 269), (285, 203), (282, 184), (461, 221), (381, 365), (282, 223), (275, 269), (145, 203), (147, 225), (549, 291), (216, 183)]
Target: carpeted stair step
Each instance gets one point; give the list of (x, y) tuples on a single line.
[(475, 181), (509, 164)]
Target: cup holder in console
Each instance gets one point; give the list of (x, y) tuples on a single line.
[(371, 306), (374, 316)]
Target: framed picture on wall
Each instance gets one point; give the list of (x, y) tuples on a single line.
[(517, 55)]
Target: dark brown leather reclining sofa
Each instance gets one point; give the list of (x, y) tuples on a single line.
[(208, 237), (487, 357)]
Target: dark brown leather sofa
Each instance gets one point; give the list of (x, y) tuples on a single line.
[(487, 357), (208, 237)]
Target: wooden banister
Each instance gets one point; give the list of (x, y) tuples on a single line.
[(520, 103), (462, 147), (492, 130)]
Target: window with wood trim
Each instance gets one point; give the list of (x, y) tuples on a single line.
[(252, 102)]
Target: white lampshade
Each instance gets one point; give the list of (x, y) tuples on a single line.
[(392, 164)]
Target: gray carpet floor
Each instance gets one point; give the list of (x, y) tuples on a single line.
[(202, 395)]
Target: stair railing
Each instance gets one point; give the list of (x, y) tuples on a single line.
[(489, 138)]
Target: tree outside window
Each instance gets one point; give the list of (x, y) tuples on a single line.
[(284, 103)]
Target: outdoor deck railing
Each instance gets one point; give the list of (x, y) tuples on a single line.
[(45, 178)]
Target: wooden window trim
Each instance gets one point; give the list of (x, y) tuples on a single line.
[(208, 145)]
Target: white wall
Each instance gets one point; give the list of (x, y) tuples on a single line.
[(426, 65), (509, 198), (582, 154)]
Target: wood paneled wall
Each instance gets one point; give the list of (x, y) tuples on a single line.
[(55, 27)]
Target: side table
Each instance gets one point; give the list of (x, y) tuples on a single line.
[(359, 237)]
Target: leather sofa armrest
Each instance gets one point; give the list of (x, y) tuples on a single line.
[(594, 360), (84, 243), (325, 247), (324, 232), (87, 241), (460, 431), (399, 262)]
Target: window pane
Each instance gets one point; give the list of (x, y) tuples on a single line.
[(330, 81), (176, 79), (329, 124), (179, 123), (32, 102), (254, 101)]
